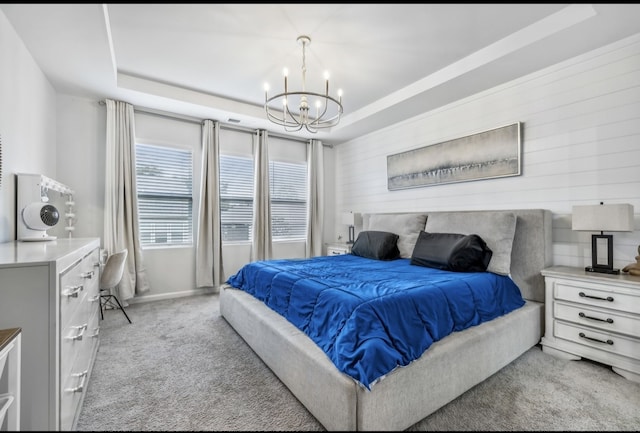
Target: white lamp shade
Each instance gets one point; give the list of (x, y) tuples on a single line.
[(347, 218), (351, 218), (603, 217)]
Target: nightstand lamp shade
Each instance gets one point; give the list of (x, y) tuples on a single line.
[(351, 219), (601, 218)]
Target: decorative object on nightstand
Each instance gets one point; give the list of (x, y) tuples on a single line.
[(351, 219), (611, 218), (595, 316), (634, 268)]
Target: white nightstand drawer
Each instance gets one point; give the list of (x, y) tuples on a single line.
[(601, 340), (336, 250), (609, 321), (597, 296)]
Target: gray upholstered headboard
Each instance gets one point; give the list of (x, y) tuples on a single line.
[(531, 250)]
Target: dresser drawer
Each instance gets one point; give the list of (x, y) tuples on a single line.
[(596, 295), (78, 280), (75, 377), (606, 320), (604, 341), (78, 329)]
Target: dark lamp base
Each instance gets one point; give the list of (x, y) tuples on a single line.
[(602, 270)]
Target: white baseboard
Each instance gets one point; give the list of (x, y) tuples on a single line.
[(172, 295)]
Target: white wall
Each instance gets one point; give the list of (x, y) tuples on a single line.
[(80, 162), (27, 122), (581, 124)]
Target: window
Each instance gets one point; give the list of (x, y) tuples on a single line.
[(288, 187), (164, 177), (236, 198)]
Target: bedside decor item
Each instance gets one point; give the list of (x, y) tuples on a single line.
[(634, 268), (327, 108), (594, 218), (486, 155), (351, 219)]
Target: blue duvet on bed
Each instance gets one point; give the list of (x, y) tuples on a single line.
[(371, 316)]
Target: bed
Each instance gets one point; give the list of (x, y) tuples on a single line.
[(520, 240)]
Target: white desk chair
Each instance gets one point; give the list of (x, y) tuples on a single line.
[(110, 278)]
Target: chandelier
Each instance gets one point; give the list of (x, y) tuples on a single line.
[(327, 108)]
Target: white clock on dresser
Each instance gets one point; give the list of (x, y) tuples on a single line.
[(595, 316)]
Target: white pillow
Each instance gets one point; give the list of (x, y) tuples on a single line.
[(406, 225), (497, 229)]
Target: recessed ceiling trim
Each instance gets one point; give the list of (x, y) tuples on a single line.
[(554, 23)]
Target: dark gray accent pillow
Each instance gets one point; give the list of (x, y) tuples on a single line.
[(451, 252), (376, 245)]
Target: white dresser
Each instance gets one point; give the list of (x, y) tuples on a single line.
[(50, 289), (595, 316)]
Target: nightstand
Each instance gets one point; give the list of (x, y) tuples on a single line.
[(338, 249), (595, 316)]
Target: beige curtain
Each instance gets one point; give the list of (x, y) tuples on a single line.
[(315, 211), (121, 199), (209, 272), (261, 246)]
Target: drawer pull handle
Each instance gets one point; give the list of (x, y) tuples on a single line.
[(584, 316), (80, 387), (96, 334), (88, 275), (94, 299), (80, 330), (73, 291), (608, 298), (609, 342)]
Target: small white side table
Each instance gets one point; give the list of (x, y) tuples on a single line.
[(10, 353)]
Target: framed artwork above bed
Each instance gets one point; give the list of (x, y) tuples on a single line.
[(486, 155)]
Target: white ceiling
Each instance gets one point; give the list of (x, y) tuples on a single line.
[(393, 61)]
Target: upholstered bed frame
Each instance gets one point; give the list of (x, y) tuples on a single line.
[(446, 370)]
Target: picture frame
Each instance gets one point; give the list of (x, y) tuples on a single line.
[(490, 154)]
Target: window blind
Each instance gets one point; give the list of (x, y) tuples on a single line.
[(288, 188), (164, 178)]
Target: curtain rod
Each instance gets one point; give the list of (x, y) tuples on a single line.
[(198, 121)]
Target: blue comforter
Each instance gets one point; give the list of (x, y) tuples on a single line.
[(371, 316)]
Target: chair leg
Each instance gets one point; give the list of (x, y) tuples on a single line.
[(107, 299), (120, 305)]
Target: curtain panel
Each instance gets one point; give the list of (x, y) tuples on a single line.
[(121, 199), (261, 248), (209, 271), (315, 210)]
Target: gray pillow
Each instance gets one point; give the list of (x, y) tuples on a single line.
[(406, 225), (497, 229)]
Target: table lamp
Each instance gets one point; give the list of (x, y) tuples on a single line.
[(351, 219), (602, 217)]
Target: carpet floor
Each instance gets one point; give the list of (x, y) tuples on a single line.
[(180, 367)]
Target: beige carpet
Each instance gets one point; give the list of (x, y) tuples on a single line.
[(180, 366)]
